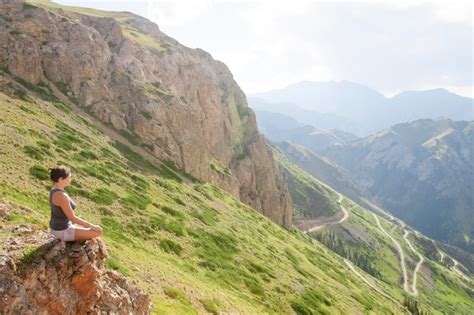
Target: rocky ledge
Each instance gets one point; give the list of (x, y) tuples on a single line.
[(66, 278)]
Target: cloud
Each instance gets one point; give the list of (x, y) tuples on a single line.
[(386, 45)]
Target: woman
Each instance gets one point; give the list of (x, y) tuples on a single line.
[(62, 214)]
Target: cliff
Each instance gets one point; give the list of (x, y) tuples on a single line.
[(177, 103)]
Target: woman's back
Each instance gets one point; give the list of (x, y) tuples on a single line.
[(59, 220)]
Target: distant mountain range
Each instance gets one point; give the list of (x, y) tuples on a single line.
[(422, 171), (357, 109), (280, 127)]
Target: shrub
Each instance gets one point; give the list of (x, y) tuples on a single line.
[(170, 247), (115, 264), (33, 152), (21, 94), (167, 172), (171, 211), (88, 154), (103, 196), (115, 231), (62, 107), (27, 6), (29, 254), (254, 286), (44, 146), (140, 182), (42, 90), (211, 305), (139, 201), (176, 294), (310, 301), (135, 160), (40, 172), (242, 111), (133, 138), (97, 172), (175, 227), (207, 217)]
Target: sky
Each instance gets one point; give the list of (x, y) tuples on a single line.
[(390, 46)]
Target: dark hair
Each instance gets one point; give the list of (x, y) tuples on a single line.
[(59, 172)]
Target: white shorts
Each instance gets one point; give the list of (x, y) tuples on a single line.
[(66, 234)]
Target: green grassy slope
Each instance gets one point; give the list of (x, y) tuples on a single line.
[(192, 246), (360, 240), (310, 198)]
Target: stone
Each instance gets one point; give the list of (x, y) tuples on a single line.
[(67, 278)]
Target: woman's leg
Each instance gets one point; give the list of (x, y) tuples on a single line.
[(81, 233)]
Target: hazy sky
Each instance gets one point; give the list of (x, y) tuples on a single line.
[(387, 45)]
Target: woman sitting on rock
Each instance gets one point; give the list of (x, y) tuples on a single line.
[(62, 215)]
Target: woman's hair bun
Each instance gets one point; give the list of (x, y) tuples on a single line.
[(59, 172)]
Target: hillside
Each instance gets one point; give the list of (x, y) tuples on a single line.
[(172, 102), (323, 169), (167, 158), (191, 246), (420, 171), (402, 263)]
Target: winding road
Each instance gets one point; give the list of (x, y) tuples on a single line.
[(399, 248), (400, 252), (414, 290), (344, 218), (346, 261), (454, 267), (418, 265)]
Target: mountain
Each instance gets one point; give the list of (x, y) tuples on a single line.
[(113, 98), (321, 168), (177, 104), (279, 127), (182, 232), (421, 171), (302, 116), (393, 259), (191, 246), (360, 110)]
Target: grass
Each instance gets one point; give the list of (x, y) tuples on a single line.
[(174, 236), (219, 168), (192, 234)]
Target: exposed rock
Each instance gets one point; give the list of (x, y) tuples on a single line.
[(67, 278), (3, 211), (179, 102)]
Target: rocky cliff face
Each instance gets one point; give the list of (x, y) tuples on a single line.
[(178, 103), (62, 278)]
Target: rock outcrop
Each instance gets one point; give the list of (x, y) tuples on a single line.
[(178, 103), (66, 278)]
